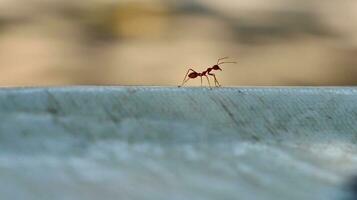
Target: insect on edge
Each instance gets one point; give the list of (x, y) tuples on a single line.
[(192, 74)]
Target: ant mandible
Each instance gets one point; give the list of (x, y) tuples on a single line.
[(195, 74)]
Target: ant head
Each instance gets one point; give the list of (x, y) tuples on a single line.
[(216, 67)]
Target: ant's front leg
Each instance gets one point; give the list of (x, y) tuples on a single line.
[(216, 83)]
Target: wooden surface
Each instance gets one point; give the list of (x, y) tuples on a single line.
[(177, 143)]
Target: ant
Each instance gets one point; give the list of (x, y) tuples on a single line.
[(195, 74)]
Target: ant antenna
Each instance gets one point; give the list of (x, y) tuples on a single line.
[(221, 59), (225, 62)]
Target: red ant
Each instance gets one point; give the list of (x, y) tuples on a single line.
[(195, 74)]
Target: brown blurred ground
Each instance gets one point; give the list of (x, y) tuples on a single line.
[(276, 42)]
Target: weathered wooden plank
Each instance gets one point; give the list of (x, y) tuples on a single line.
[(177, 143)]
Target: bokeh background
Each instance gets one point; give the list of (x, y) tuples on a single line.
[(153, 42)]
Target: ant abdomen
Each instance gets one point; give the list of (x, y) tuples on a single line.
[(193, 75)]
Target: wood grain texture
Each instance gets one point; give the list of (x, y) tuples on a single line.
[(177, 143)]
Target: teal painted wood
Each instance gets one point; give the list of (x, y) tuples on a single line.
[(242, 113), (196, 143)]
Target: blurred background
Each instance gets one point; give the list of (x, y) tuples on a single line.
[(154, 42)]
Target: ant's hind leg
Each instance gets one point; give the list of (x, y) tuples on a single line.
[(184, 79)]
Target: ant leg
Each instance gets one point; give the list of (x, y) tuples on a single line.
[(201, 80), (184, 82), (184, 79), (209, 83), (216, 83), (215, 80), (219, 85)]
